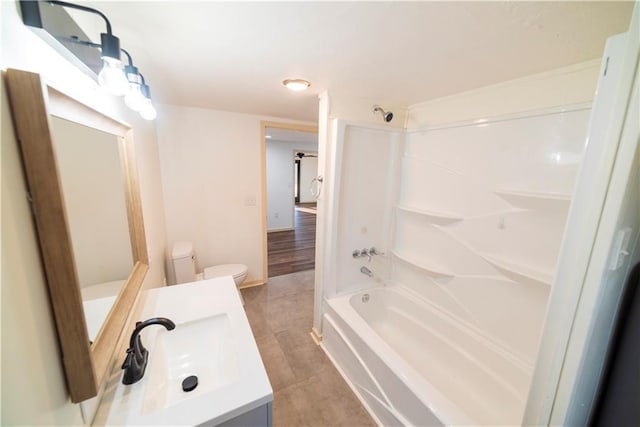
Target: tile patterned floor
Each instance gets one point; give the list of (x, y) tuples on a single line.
[(308, 390)]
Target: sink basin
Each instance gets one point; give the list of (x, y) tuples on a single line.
[(202, 347)]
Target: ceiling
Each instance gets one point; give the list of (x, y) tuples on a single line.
[(234, 55), (286, 135)]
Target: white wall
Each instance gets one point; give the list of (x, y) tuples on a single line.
[(211, 177), (280, 183), (33, 383)]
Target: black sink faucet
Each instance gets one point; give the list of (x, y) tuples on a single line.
[(136, 361)]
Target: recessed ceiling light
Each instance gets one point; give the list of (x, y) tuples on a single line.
[(296, 84)]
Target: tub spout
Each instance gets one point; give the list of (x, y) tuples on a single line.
[(365, 270)]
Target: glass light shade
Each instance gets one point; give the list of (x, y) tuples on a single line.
[(112, 77), (148, 112), (296, 84), (135, 99)]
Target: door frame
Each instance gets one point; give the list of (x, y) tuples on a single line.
[(264, 124)]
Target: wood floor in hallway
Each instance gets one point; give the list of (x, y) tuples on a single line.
[(294, 250), (307, 388)]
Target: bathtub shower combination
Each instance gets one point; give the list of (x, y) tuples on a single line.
[(438, 366), (443, 328)]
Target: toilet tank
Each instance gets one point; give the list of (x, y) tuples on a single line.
[(184, 262)]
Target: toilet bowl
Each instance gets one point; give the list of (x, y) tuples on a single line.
[(184, 265), (237, 271)]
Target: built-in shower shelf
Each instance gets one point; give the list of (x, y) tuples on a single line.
[(432, 268), (438, 216), (518, 271), (534, 200)]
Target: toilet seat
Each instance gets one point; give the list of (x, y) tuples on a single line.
[(235, 270)]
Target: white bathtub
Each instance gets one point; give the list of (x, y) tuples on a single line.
[(412, 364)]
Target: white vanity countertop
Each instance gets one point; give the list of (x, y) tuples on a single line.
[(249, 389)]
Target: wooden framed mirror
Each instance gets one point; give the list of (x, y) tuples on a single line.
[(39, 111)]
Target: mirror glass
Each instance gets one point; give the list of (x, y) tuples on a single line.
[(94, 192)]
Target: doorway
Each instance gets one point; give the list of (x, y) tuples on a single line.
[(290, 162)]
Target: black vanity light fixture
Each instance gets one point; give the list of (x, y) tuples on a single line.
[(117, 79), (147, 111), (138, 97), (111, 77), (134, 97)]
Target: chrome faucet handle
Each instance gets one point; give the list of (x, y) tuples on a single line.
[(355, 253), (364, 252), (374, 251)]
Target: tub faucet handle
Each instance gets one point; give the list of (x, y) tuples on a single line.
[(374, 251), (355, 253)]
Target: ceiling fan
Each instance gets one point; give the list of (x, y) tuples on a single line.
[(301, 155)]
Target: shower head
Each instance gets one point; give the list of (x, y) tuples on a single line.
[(387, 116)]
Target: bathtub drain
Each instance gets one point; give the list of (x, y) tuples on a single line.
[(365, 298)]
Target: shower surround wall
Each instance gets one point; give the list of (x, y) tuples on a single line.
[(471, 216), (368, 164), (480, 219)]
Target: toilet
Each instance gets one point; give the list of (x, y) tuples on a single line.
[(184, 265)]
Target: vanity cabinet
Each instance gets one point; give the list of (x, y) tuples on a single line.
[(261, 416)]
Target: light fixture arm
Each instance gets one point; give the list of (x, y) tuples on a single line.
[(145, 87), (75, 39), (83, 8), (131, 68), (129, 59)]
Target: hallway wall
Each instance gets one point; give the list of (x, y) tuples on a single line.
[(280, 182)]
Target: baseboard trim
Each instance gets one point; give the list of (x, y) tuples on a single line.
[(252, 284), (275, 230), (316, 336)]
